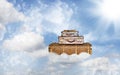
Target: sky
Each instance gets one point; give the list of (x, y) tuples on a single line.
[(27, 27)]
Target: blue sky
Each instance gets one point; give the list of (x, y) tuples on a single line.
[(27, 27)]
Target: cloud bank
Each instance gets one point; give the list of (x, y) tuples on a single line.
[(24, 42), (25, 52), (8, 14)]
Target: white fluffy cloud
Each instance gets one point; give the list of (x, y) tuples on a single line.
[(8, 13), (60, 65), (24, 41), (101, 65), (63, 65), (15, 63), (54, 19), (67, 58), (39, 53)]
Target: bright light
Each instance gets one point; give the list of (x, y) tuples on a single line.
[(108, 12), (110, 9)]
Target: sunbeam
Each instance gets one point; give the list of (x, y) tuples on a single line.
[(109, 13), (110, 9)]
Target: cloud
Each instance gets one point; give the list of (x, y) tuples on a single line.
[(26, 41), (62, 65), (29, 39), (59, 64), (36, 23), (15, 63), (26, 54), (92, 66), (90, 37), (106, 20), (59, 16), (39, 53), (2, 31), (67, 58), (48, 18), (60, 13), (101, 65), (8, 13)]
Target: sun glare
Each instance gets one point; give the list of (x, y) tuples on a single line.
[(108, 12), (110, 9)]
